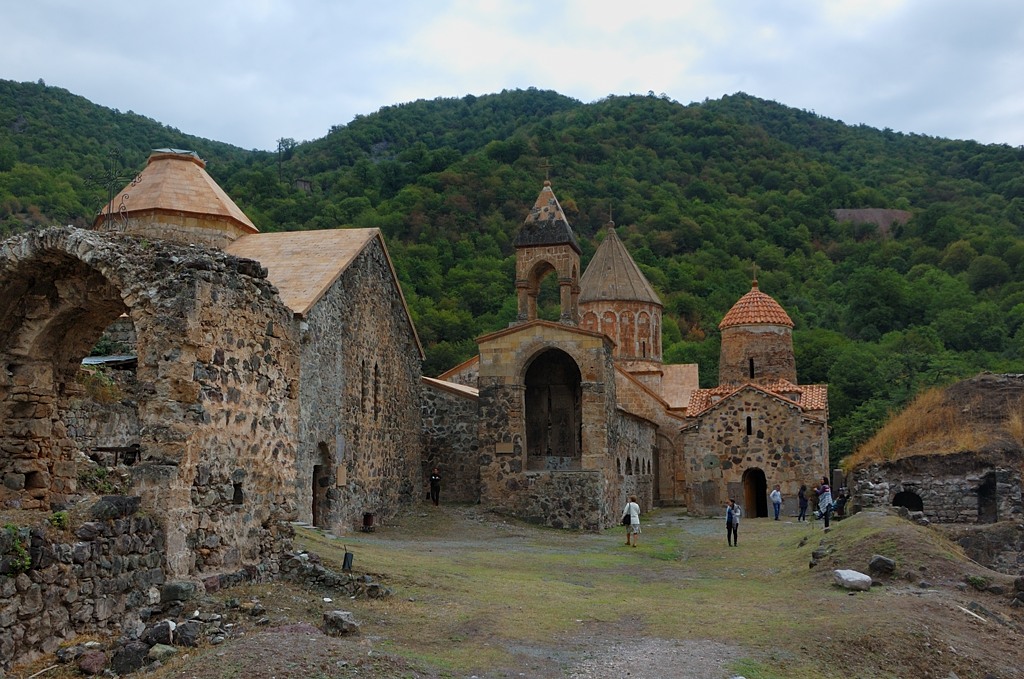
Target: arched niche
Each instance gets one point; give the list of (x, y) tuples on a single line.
[(553, 412)]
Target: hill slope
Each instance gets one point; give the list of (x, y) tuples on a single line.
[(702, 194)]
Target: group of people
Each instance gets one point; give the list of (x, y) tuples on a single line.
[(825, 508), (631, 512)]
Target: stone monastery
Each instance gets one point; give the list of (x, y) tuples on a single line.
[(264, 378)]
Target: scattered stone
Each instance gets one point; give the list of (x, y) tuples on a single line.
[(177, 591), (881, 565), (850, 579), (187, 633), (129, 657), (340, 623), (160, 633), (161, 652), (92, 663)]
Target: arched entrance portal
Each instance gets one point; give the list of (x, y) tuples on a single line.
[(755, 493), (553, 412), (53, 310), (988, 500), (908, 499)]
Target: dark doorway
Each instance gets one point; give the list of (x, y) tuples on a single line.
[(988, 500), (908, 499), (321, 485), (755, 493), (553, 412)]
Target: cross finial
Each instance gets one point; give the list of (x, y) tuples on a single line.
[(754, 268), (546, 166)]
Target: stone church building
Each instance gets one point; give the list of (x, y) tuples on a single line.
[(266, 378), (560, 422)]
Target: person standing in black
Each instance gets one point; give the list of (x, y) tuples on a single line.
[(802, 497), (435, 486)]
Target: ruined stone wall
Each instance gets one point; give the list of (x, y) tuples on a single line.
[(217, 384), (91, 577), (449, 441), (950, 487), (360, 397), (104, 420), (789, 448), (769, 346)]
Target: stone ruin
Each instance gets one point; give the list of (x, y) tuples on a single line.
[(972, 495), (210, 412)]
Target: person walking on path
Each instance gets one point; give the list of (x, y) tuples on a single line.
[(802, 499), (435, 486), (824, 500), (732, 523), (632, 510), (776, 496)]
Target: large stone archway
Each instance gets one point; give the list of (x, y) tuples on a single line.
[(217, 375)]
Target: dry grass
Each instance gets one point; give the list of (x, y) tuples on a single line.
[(934, 425), (479, 595)]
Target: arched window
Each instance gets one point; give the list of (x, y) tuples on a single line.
[(751, 368), (750, 426)]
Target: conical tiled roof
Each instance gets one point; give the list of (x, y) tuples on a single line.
[(612, 275), (176, 182), (755, 308), (546, 224)]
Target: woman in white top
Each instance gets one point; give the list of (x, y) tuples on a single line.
[(633, 511)]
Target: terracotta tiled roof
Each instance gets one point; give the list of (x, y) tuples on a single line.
[(546, 224), (809, 397), (612, 275), (176, 181), (756, 308)]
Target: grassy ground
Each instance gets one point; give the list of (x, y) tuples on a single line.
[(477, 595)]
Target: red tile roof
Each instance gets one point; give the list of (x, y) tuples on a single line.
[(809, 397), (756, 308)]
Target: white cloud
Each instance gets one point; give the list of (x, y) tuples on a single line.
[(252, 71)]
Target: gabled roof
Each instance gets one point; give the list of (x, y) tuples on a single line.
[(451, 387), (612, 275), (809, 397), (546, 224), (176, 182), (529, 325), (303, 265), (755, 308)]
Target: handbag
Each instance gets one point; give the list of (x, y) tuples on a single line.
[(625, 520)]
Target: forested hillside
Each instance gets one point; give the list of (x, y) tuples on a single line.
[(701, 194)]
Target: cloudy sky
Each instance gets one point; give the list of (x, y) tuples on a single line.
[(250, 72)]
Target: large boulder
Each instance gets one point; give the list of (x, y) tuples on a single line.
[(850, 579)]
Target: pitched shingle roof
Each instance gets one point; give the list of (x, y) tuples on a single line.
[(612, 275), (176, 182), (755, 308), (546, 224)]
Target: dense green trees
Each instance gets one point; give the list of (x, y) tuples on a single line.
[(701, 195)]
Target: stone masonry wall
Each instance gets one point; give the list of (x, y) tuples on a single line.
[(449, 441), (90, 577), (217, 384), (505, 485), (770, 347), (789, 448), (948, 485), (634, 461), (360, 397)]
